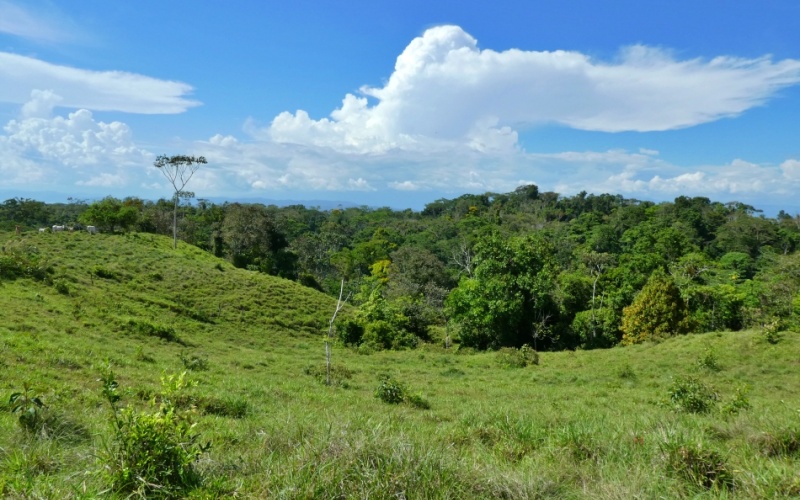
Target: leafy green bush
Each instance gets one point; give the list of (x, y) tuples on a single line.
[(383, 335), (21, 260), (691, 395), (598, 329), (30, 409), (152, 453), (349, 332), (390, 390), (394, 392)]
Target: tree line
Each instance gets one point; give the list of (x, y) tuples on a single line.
[(495, 269)]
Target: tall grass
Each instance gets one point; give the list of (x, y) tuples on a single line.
[(594, 424)]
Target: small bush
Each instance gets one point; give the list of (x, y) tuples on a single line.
[(690, 395), (21, 260), (384, 335), (390, 390), (709, 361), (509, 357), (704, 468), (771, 331), (194, 362), (30, 410), (61, 286), (152, 453)]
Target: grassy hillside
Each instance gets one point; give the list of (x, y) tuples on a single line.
[(584, 424)]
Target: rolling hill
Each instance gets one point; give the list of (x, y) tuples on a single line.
[(712, 415)]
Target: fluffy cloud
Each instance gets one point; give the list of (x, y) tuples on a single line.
[(94, 90), (40, 149), (445, 91)]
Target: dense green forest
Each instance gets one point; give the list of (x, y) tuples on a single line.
[(133, 369), (492, 270)]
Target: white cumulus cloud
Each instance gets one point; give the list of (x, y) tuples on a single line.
[(445, 90)]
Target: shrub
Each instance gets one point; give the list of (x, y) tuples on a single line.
[(21, 260), (61, 286), (771, 331), (709, 361), (690, 395), (394, 392), (349, 332), (194, 362), (390, 390), (30, 410), (152, 453), (383, 335), (509, 357), (704, 468), (600, 329)]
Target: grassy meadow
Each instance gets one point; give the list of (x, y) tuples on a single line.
[(708, 416)]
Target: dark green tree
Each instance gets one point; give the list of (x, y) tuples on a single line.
[(508, 301), (109, 214), (656, 313)]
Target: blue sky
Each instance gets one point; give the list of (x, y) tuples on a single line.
[(402, 103)]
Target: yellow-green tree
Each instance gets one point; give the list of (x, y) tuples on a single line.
[(656, 313)]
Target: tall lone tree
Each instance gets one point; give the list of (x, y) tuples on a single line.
[(178, 169)]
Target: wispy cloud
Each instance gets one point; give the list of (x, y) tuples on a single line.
[(94, 90), (40, 26)]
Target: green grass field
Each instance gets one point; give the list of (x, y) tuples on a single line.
[(584, 424)]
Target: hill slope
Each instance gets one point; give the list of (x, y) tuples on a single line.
[(593, 424)]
